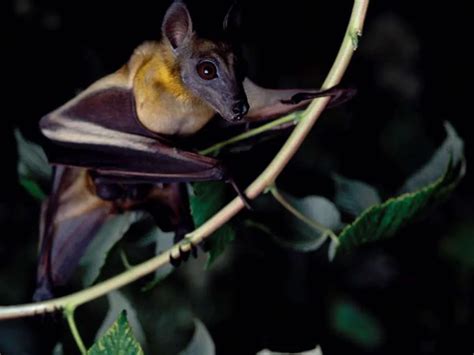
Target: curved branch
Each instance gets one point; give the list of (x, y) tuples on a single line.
[(310, 116), (266, 179)]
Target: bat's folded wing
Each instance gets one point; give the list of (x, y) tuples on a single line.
[(99, 130), (271, 103), (70, 219)]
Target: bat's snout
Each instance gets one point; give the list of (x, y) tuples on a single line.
[(240, 109)]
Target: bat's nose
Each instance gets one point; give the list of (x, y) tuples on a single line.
[(240, 109)]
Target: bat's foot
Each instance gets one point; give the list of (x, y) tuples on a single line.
[(44, 293), (242, 195), (246, 201), (49, 318), (184, 254)]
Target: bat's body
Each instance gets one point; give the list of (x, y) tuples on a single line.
[(151, 92), (129, 113), (116, 137)]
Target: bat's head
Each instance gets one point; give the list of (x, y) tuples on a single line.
[(211, 70)]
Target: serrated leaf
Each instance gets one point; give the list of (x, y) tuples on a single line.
[(315, 351), (351, 322), (108, 235), (304, 237), (451, 150), (201, 342), (163, 242), (117, 340), (118, 303), (384, 220), (206, 199), (33, 167), (353, 196)]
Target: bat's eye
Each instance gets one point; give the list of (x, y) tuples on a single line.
[(207, 70)]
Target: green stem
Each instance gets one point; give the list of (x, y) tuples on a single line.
[(266, 179), (294, 117), (312, 223), (263, 228), (69, 314), (124, 258)]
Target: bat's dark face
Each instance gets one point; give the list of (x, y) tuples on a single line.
[(211, 70)]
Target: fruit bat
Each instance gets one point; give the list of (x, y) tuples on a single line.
[(116, 145)]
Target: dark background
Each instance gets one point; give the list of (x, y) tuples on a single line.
[(411, 74)]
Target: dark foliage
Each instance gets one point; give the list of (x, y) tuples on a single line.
[(417, 289)]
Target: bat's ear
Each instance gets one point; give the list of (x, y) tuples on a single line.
[(177, 25), (233, 20)]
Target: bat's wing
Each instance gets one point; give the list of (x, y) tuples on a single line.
[(70, 218), (270, 103), (74, 213), (100, 130), (265, 105)]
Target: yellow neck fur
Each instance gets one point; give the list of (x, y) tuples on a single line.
[(164, 104)]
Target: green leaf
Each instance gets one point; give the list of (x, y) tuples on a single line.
[(318, 209), (58, 349), (118, 303), (218, 243), (201, 342), (33, 188), (118, 340), (356, 325), (33, 167), (32, 159), (206, 200), (163, 242), (384, 220), (304, 237), (353, 196), (108, 235), (451, 150)]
